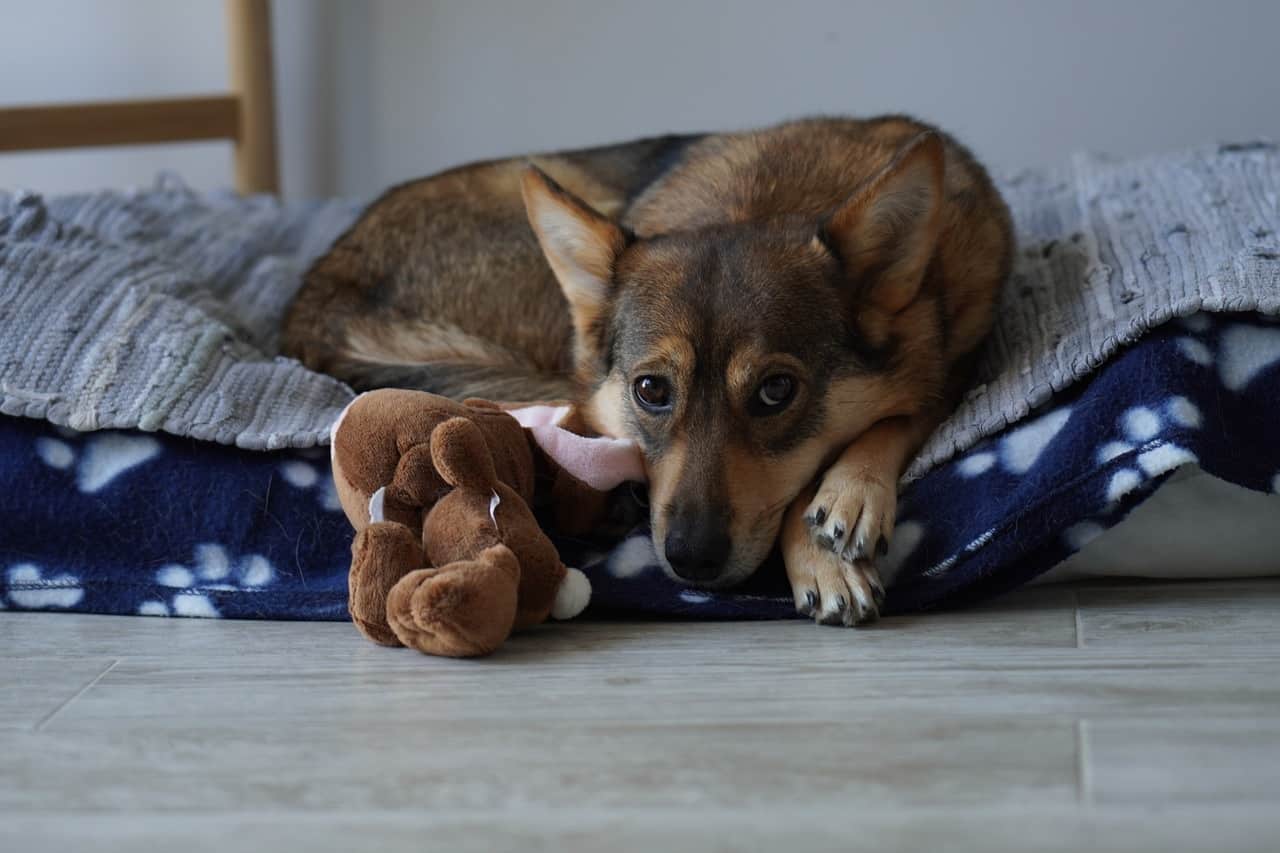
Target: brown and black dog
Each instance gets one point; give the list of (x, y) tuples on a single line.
[(778, 317)]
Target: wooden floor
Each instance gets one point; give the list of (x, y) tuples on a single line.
[(1066, 718)]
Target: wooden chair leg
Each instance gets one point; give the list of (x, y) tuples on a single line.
[(249, 40)]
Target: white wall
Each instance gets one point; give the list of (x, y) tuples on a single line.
[(78, 50), (378, 91)]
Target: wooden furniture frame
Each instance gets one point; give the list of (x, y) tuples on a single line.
[(245, 115)]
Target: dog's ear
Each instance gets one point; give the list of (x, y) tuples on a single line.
[(886, 232), (582, 246)]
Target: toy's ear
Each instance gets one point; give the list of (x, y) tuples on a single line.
[(461, 455), (582, 246), (885, 234)]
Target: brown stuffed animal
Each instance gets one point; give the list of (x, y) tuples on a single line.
[(448, 557)]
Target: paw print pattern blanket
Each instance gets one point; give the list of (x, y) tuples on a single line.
[(153, 524)]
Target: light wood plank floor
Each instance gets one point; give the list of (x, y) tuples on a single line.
[(1104, 717)]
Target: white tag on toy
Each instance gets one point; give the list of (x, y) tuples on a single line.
[(377, 511), (493, 508)]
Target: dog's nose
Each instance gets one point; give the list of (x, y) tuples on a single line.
[(697, 551)]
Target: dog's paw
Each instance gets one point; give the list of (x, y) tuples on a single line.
[(852, 514), (834, 591)]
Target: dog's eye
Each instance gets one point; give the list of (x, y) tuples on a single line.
[(653, 392), (776, 391)]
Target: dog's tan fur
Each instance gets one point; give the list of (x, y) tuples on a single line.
[(857, 259)]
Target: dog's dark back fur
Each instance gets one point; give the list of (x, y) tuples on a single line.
[(441, 284)]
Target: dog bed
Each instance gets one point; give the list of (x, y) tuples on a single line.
[(129, 522), (149, 418)]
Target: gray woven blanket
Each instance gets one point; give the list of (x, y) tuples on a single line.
[(1109, 249), (159, 310)]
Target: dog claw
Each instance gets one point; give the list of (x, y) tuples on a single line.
[(858, 511), (837, 615), (877, 592), (831, 588), (856, 550), (831, 533), (818, 517)]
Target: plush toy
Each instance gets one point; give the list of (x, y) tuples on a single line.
[(448, 557)]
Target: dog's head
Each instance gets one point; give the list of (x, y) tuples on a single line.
[(743, 357)]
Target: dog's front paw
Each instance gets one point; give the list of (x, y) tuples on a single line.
[(852, 514), (832, 590)]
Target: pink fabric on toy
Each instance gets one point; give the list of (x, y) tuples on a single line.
[(601, 463)]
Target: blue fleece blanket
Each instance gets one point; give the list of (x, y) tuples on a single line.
[(132, 522)]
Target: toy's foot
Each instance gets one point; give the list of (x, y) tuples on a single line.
[(381, 555), (572, 595), (464, 609)]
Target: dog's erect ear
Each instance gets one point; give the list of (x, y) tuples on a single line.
[(582, 246), (886, 232)]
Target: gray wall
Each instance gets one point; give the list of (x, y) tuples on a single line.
[(376, 92)]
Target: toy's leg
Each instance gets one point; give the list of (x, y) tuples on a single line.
[(464, 609), (382, 554), (572, 596)]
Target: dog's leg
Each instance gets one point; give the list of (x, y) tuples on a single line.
[(832, 590), (833, 532), (853, 511)]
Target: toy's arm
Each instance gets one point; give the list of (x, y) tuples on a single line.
[(601, 463), (416, 483)]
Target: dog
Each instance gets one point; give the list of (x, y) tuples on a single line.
[(779, 317)]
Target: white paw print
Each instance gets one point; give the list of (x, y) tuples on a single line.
[(106, 456), (303, 475), (1246, 352), (36, 592), (1141, 424), (632, 557), (1079, 535), (977, 464), (1183, 412), (1193, 349), (1122, 483), (907, 536), (212, 569), (1021, 448)]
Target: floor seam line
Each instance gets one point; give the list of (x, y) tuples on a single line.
[(1075, 599), (1084, 757), (47, 718)]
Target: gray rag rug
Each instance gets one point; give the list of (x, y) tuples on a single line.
[(160, 310), (1108, 249)]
